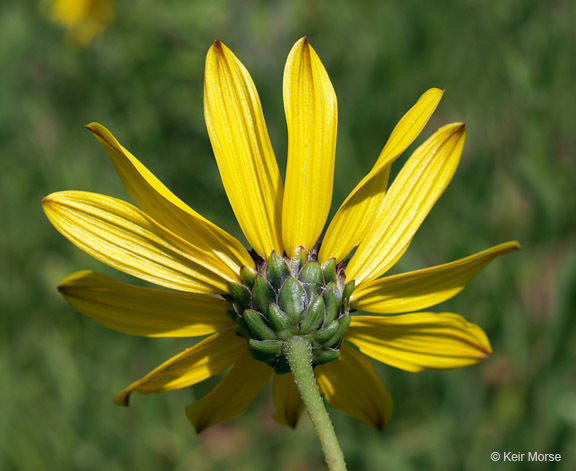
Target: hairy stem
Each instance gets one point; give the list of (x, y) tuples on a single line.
[(299, 354)]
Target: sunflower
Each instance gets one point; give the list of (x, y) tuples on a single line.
[(295, 283)]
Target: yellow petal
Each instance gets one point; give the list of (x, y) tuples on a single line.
[(202, 361), (242, 148), (409, 127), (407, 203), (232, 396), (419, 341), (123, 237), (363, 204), (424, 288), (287, 400), (351, 384), (311, 116), (168, 210), (144, 311)]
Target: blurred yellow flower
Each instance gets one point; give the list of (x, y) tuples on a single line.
[(83, 19), (293, 283)]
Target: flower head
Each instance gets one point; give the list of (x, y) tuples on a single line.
[(294, 282), (83, 19)]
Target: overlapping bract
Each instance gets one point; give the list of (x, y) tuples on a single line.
[(167, 243)]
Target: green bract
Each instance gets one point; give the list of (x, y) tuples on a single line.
[(284, 298)]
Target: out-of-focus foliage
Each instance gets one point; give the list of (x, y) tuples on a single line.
[(509, 71)]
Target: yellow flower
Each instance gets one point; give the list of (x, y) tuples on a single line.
[(211, 276), (83, 19)]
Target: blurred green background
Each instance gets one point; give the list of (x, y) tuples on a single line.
[(508, 68)]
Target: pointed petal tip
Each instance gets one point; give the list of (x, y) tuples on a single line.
[(198, 425), (98, 130), (379, 424), (93, 127), (440, 93), (218, 47), (199, 429), (302, 43), (288, 420), (453, 127), (436, 90), (50, 199), (482, 343), (510, 246), (216, 54), (122, 399), (67, 283), (454, 130)]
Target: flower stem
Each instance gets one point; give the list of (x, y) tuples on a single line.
[(298, 351)]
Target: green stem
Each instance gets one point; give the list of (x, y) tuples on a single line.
[(298, 351)]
